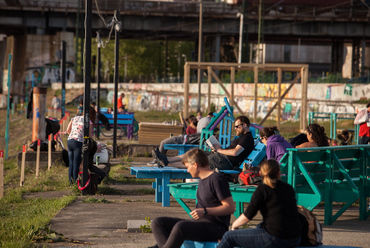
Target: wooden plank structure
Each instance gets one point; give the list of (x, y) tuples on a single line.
[(153, 133), (302, 70)]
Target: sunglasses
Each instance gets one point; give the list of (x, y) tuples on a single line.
[(237, 126)]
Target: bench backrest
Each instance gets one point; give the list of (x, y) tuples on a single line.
[(122, 119), (256, 156)]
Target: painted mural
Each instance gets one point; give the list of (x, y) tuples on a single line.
[(45, 75)]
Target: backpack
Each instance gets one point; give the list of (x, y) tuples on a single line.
[(311, 228), (250, 177)]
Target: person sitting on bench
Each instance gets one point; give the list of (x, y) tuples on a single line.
[(229, 158), (316, 136), (275, 144), (275, 199), (211, 217)]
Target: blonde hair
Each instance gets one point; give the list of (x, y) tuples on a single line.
[(270, 171)]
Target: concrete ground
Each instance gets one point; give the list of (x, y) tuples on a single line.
[(106, 224)]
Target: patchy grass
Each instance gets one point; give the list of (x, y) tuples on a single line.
[(91, 199)]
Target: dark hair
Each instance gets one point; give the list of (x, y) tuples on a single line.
[(81, 102), (92, 114), (190, 116), (270, 170), (318, 134), (368, 105), (268, 131), (196, 155), (345, 132), (210, 114), (243, 119)]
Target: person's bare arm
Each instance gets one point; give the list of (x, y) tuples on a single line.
[(241, 220), (69, 128), (227, 207)]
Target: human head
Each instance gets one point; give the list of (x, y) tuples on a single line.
[(109, 110), (189, 119), (81, 102), (210, 114), (241, 125), (120, 109), (55, 95), (270, 172), (93, 104), (199, 113), (267, 132), (122, 95), (345, 133), (317, 134), (92, 114), (195, 159)]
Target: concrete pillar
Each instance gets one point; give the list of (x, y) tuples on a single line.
[(39, 109)]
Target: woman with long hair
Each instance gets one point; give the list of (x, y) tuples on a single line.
[(316, 136), (275, 144), (75, 130), (276, 201)]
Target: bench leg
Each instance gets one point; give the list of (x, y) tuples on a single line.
[(158, 190), (166, 190)]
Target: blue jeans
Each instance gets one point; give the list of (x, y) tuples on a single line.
[(255, 237), (74, 155)]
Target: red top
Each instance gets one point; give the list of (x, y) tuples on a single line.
[(364, 130), (190, 130), (119, 102)]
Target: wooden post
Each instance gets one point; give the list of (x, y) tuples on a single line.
[(39, 107), (255, 93), (49, 151), (38, 158), (209, 68), (23, 165), (232, 79), (280, 75), (1, 173), (303, 114), (186, 89)]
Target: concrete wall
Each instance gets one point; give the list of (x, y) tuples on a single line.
[(36, 54), (170, 97)]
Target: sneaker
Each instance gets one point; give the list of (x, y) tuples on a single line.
[(160, 158), (151, 164)]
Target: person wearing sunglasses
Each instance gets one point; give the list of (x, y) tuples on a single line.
[(222, 159)]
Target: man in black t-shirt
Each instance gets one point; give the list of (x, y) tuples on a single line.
[(211, 218), (223, 159)]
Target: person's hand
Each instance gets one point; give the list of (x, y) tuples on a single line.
[(197, 213), (234, 227), (216, 147)]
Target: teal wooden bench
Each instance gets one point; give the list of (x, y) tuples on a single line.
[(162, 180), (124, 121), (329, 174), (198, 244)]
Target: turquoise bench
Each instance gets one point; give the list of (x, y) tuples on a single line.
[(322, 174), (162, 180), (124, 121), (197, 244)]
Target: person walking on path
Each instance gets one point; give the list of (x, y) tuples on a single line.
[(275, 144), (363, 119), (211, 217), (229, 158), (120, 101), (275, 199), (75, 130), (55, 102)]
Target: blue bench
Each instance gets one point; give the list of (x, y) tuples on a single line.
[(182, 148), (123, 121), (162, 180), (198, 244)]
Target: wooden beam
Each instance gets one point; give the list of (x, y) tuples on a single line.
[(280, 75), (286, 91), (227, 93), (209, 68), (255, 93), (232, 79), (186, 89), (303, 116)]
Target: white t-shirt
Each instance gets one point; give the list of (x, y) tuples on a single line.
[(203, 123)]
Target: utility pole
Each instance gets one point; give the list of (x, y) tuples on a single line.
[(63, 69), (98, 90), (116, 75), (245, 32), (87, 80), (241, 15), (200, 52)]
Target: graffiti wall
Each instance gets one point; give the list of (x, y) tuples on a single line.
[(337, 98)]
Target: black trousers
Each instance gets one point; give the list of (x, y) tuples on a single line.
[(171, 232), (363, 140)]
